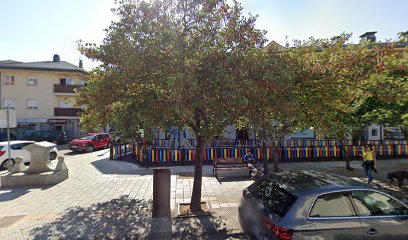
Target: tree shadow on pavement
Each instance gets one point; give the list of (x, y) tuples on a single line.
[(126, 218), (121, 218), (185, 228), (204, 227), (107, 166)]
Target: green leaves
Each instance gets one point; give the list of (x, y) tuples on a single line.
[(169, 63)]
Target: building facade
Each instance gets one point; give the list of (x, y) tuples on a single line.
[(42, 93)]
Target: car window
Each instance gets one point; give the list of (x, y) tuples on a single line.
[(87, 138), (274, 198), (16, 146), (332, 205), (376, 204), (25, 144)]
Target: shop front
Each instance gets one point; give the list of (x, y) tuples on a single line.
[(70, 126), (25, 126)]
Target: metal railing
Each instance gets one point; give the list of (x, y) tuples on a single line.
[(325, 150)]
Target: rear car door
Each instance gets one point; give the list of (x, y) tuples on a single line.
[(381, 216), (106, 140), (334, 217), (97, 141)]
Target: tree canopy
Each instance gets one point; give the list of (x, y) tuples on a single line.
[(172, 63), (201, 65)]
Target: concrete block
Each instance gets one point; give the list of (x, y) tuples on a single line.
[(61, 166), (18, 166), (24, 179)]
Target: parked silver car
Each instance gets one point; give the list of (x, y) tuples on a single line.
[(313, 205)]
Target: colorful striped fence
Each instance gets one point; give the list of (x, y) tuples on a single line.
[(329, 150), (118, 151), (401, 150)]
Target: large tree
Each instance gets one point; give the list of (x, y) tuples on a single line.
[(383, 97), (172, 63), (319, 83), (337, 77)]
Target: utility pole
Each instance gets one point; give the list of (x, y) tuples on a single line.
[(8, 132)]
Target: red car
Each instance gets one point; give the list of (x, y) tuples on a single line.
[(91, 142)]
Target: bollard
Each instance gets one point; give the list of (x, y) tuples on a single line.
[(161, 192)]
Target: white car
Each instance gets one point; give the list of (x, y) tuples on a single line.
[(17, 150)]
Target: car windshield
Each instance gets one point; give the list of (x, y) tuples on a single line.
[(87, 138)]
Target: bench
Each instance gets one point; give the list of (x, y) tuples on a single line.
[(225, 164)]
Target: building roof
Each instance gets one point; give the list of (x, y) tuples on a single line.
[(368, 34), (275, 45), (8, 62), (61, 66)]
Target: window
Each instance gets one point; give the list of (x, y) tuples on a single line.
[(374, 132), (376, 204), (66, 81), (332, 205), (9, 80), (32, 81), (10, 103), (274, 198), (19, 146), (32, 104)]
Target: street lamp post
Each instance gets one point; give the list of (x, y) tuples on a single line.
[(8, 129)]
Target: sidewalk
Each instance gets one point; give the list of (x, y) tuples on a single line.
[(110, 200), (113, 199)]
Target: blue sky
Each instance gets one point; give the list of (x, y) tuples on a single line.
[(34, 30)]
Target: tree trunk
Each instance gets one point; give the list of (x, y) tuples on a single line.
[(265, 157), (275, 157), (344, 153), (198, 176)]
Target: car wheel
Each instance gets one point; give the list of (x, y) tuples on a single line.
[(7, 164), (90, 148), (53, 155)]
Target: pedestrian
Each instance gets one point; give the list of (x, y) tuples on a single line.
[(250, 161), (369, 162), (249, 158)]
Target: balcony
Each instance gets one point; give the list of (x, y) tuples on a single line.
[(67, 112), (65, 88)]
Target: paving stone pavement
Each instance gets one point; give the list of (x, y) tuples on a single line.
[(105, 199)]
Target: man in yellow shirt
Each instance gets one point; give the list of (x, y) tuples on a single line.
[(369, 163)]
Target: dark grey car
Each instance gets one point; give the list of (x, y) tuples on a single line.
[(313, 205)]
